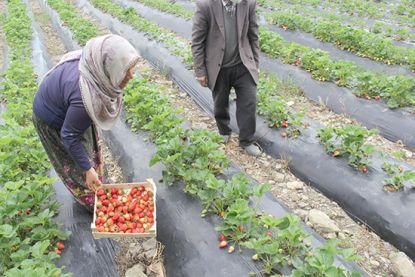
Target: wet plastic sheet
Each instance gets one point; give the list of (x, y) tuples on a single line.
[(359, 194), (83, 256), (190, 241), (372, 114), (337, 54)]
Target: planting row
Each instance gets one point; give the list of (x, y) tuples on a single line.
[(397, 91), (341, 189), (29, 238), (359, 41), (196, 159), (402, 15)]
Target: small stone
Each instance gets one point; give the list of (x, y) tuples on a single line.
[(331, 236), (341, 236), (408, 153), (278, 177), (322, 222), (135, 271), (182, 95), (374, 263), (134, 250), (149, 244), (265, 163), (302, 205), (304, 197), (271, 182), (347, 231), (373, 251), (295, 185), (402, 266), (150, 253), (295, 197), (278, 166), (157, 269), (301, 213)]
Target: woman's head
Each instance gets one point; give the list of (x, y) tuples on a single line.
[(106, 66)]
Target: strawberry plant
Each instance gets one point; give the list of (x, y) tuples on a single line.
[(239, 222), (278, 242), (274, 107), (398, 176), (348, 141), (321, 262), (218, 195)]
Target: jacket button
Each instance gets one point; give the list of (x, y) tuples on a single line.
[(223, 49), (219, 64)]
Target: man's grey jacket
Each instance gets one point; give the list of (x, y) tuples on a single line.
[(208, 38)]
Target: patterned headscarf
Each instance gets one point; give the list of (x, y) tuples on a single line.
[(104, 62), (103, 66)]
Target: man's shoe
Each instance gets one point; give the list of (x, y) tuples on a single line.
[(225, 138), (252, 150)]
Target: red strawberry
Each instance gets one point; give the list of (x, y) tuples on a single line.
[(60, 246), (222, 237), (100, 192)]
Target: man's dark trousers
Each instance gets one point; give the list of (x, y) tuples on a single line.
[(241, 80)]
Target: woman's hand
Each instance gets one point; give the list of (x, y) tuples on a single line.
[(92, 179)]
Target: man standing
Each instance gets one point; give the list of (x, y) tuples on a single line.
[(225, 51)]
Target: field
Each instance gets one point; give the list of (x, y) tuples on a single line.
[(332, 195)]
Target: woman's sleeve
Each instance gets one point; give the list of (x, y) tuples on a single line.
[(77, 121)]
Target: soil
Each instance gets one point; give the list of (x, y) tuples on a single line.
[(52, 42), (265, 169)]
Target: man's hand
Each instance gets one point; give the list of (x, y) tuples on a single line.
[(92, 179), (203, 81)]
